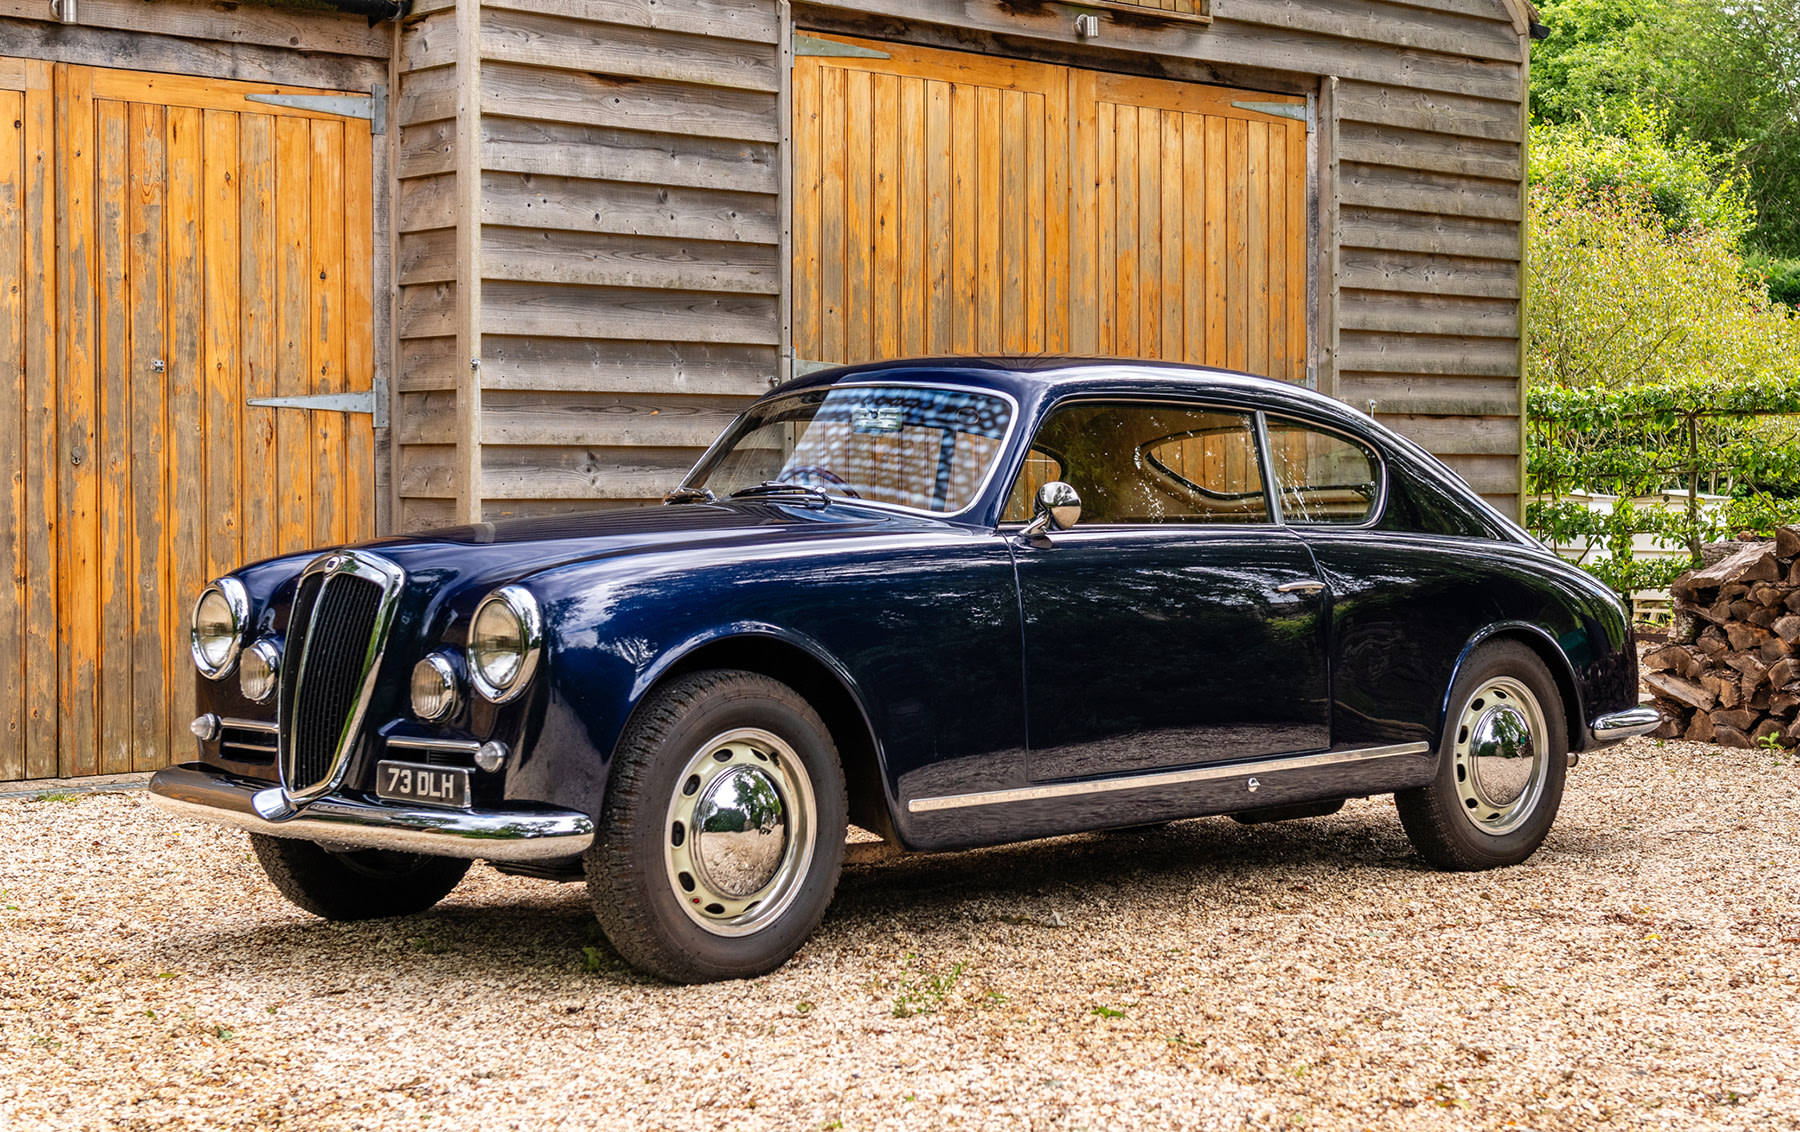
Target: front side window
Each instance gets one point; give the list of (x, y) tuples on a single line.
[(912, 446), (1322, 477), (1146, 463)]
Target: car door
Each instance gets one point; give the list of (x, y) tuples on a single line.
[(1176, 623)]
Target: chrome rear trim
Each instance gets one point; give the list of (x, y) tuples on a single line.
[(1614, 726), (1168, 778), (509, 835)]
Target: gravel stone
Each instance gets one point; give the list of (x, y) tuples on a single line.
[(1641, 971)]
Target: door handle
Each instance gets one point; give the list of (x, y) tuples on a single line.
[(1305, 587)]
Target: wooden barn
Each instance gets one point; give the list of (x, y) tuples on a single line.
[(286, 273)]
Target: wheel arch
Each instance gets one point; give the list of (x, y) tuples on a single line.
[(1555, 660), (821, 682)]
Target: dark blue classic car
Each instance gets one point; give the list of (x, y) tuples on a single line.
[(953, 602)]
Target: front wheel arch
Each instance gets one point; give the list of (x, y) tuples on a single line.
[(824, 688)]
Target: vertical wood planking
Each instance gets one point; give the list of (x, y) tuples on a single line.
[(1280, 349), (1150, 233), (153, 657), (1126, 324), (859, 213), (293, 361), (833, 291), (1298, 308), (188, 443), (42, 367), (79, 734), (1256, 245), (358, 321), (1173, 288), (1086, 176), (990, 150), (940, 217), (1193, 240), (1105, 230), (13, 439), (1217, 256), (1010, 332), (808, 265), (220, 217), (884, 272), (965, 218), (256, 301), (112, 436), (914, 235), (330, 501), (1237, 250)]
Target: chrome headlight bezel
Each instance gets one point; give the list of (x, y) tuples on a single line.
[(265, 653), (517, 602), (237, 603), (449, 686)]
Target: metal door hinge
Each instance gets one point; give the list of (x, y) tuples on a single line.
[(371, 107), (1292, 110), (372, 401), (813, 45)]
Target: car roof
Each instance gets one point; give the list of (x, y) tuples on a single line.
[(1030, 378)]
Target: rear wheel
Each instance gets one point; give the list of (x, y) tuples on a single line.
[(722, 834), (1501, 765), (355, 884)]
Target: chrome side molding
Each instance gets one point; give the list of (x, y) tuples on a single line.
[(1613, 726), (1166, 778)]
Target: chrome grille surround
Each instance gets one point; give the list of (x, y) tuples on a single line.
[(341, 660)]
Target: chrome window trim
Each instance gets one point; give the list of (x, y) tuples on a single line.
[(1376, 509), (392, 580), (975, 498), (1163, 778), (525, 607), (238, 599)]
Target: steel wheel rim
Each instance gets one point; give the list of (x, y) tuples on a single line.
[(727, 880), (1502, 754)]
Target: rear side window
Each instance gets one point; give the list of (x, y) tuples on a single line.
[(1323, 477)]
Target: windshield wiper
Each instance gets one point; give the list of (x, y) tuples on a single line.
[(782, 487), (691, 495)]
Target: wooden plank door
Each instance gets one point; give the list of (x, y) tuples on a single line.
[(210, 250), (955, 203), (1192, 245), (930, 205), (28, 594)]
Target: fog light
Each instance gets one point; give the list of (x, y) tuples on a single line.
[(491, 756), (433, 688), (206, 727), (259, 670)]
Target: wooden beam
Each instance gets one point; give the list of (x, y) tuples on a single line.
[(468, 323)]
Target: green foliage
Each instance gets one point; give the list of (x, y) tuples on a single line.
[(1726, 76), (927, 992), (1635, 440), (1780, 276), (1626, 159)]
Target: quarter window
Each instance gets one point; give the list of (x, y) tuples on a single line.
[(1322, 477), (1146, 463)]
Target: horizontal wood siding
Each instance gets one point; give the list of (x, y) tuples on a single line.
[(630, 231)]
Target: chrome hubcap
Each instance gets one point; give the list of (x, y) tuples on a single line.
[(741, 828), (1502, 756)]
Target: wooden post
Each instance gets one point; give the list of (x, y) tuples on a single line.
[(468, 260)]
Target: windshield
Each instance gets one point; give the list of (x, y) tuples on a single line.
[(918, 447)]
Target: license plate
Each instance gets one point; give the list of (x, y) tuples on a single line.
[(432, 785)]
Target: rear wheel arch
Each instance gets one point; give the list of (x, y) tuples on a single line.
[(825, 690), (1554, 659)]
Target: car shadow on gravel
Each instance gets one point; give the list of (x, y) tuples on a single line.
[(544, 934)]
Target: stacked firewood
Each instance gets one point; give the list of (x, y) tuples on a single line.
[(1730, 672)]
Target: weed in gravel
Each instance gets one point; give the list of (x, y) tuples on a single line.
[(926, 993), (223, 1034), (1108, 1012), (804, 1007), (429, 946), (57, 796)]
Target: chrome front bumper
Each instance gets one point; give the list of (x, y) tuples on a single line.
[(195, 791), (1614, 726)]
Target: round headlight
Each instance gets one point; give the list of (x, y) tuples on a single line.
[(259, 671), (433, 688), (220, 618), (503, 643)]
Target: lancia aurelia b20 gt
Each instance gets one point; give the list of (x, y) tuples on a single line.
[(956, 603)]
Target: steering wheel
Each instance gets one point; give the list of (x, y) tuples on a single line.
[(791, 475)]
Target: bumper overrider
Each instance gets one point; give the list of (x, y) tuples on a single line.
[(1618, 725), (198, 791)]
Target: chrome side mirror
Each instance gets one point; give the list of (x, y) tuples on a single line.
[(1058, 508)]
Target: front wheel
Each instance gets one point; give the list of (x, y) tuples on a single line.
[(1501, 765), (722, 834), (355, 884)]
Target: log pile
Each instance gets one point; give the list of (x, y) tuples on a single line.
[(1730, 672)]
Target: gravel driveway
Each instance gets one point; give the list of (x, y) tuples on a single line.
[(1642, 970)]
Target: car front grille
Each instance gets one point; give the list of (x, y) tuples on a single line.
[(337, 633)]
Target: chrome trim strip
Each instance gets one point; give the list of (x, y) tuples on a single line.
[(1626, 724), (266, 726), (392, 580), (413, 743), (517, 835), (1167, 778)]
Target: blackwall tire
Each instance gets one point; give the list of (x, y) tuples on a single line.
[(722, 834), (365, 884), (1502, 764)]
